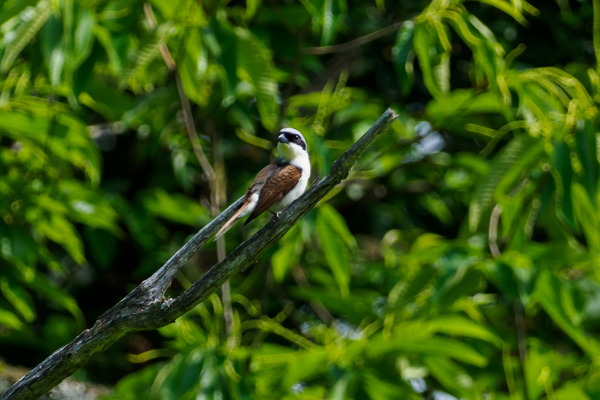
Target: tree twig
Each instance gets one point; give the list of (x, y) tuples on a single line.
[(185, 102), (146, 308), (338, 48), (216, 182)]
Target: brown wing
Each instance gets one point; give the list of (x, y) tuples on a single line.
[(284, 179), (257, 184), (260, 179)]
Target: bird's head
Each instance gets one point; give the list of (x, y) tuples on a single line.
[(290, 144)]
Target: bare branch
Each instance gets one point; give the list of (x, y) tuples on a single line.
[(338, 48), (146, 308)]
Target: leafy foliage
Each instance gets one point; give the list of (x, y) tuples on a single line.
[(459, 258)]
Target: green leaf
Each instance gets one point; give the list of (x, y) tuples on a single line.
[(441, 73), (255, 66), (114, 104), (174, 207), (454, 378), (337, 224), (572, 390), (545, 367), (31, 23), (111, 47), (406, 291), (193, 68), (58, 229), (556, 299), (464, 280), (252, 7), (336, 254), (512, 8), (425, 45), (585, 148), (587, 216), (65, 137), (53, 49), (563, 176), (503, 164), (47, 289), (464, 103), (328, 19), (132, 386), (147, 51), (16, 8), (83, 38), (17, 245), (87, 206), (420, 344), (461, 326), (401, 53), (390, 388), (302, 365), (10, 320), (354, 308), (437, 207), (286, 256), (18, 298)]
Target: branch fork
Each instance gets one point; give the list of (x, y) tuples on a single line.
[(146, 307)]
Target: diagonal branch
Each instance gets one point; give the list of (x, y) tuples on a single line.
[(146, 308), (338, 48)]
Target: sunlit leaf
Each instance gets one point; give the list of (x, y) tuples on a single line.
[(337, 224), (336, 253), (428, 347), (286, 257), (255, 66), (461, 326), (83, 37), (401, 52), (451, 376), (585, 148), (193, 68), (32, 21), (463, 103), (44, 287), (60, 230), (556, 299), (53, 49), (18, 298), (424, 45), (328, 22), (586, 215), (502, 165), (563, 180), (15, 8), (86, 206), (147, 51), (406, 291), (10, 320), (174, 207)]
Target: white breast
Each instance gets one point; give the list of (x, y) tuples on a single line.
[(303, 163)]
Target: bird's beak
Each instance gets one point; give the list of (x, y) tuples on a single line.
[(282, 139)]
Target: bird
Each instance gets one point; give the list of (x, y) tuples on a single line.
[(278, 184)]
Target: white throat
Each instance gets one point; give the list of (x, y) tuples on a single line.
[(299, 158)]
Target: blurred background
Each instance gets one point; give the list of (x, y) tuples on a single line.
[(464, 265)]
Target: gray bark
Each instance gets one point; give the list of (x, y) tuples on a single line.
[(146, 308)]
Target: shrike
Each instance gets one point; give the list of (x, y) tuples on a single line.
[(278, 184)]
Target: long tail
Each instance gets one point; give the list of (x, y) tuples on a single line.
[(232, 221)]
